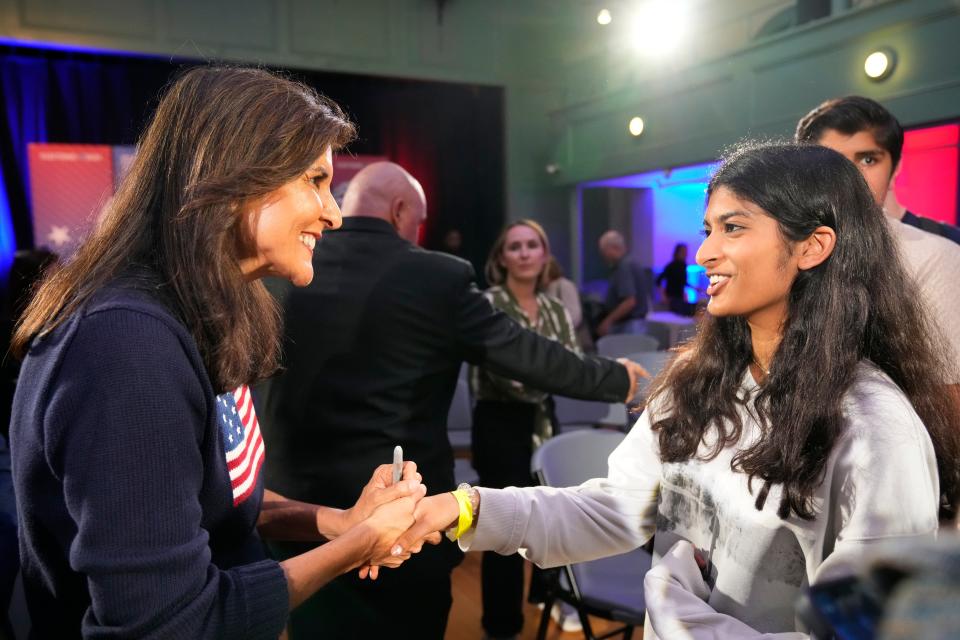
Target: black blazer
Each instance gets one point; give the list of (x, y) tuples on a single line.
[(372, 351)]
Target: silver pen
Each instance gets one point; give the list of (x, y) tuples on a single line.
[(397, 463)]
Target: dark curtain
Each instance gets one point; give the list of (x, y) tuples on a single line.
[(51, 96), (448, 135)]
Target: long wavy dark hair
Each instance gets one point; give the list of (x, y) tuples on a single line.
[(221, 139), (859, 304)]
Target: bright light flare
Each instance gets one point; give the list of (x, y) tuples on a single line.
[(636, 126), (660, 26), (604, 18)]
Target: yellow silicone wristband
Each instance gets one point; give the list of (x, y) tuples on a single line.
[(466, 513)]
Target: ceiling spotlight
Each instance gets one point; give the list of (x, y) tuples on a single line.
[(604, 17), (552, 169), (879, 64), (636, 126)]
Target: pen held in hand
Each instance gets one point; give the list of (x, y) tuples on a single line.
[(397, 463)]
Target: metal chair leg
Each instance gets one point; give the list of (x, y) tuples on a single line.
[(545, 619), (585, 623)]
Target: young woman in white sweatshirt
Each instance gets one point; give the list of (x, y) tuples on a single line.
[(802, 427)]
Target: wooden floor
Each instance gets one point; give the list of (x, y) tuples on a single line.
[(464, 621)]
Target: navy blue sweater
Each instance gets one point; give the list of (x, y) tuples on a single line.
[(128, 526)]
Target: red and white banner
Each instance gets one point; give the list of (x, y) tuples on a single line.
[(69, 184)]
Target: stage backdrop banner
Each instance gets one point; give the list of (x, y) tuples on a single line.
[(69, 184)]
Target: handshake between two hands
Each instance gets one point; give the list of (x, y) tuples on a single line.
[(398, 517)]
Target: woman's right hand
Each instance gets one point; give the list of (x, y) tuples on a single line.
[(389, 521), (381, 490), (429, 518), (372, 538), (434, 515)]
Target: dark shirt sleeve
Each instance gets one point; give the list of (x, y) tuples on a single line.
[(624, 283), (489, 338), (125, 430)]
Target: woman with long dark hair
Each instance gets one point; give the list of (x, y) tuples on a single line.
[(136, 448), (800, 428)]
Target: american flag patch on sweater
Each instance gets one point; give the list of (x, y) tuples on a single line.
[(242, 442)]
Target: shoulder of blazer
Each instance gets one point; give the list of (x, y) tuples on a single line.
[(442, 263)]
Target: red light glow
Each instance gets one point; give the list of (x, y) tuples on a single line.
[(929, 173)]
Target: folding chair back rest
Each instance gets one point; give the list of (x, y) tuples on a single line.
[(572, 458), (617, 345), (584, 413)]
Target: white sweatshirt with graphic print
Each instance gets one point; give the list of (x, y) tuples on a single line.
[(880, 484)]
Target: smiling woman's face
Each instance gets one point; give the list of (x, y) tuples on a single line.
[(751, 267), (287, 223)]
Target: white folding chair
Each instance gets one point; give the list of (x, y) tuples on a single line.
[(459, 422), (610, 588), (583, 414)]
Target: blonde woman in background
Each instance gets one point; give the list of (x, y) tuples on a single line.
[(510, 419)]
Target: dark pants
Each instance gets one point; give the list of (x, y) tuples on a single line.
[(410, 602), (502, 447)]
